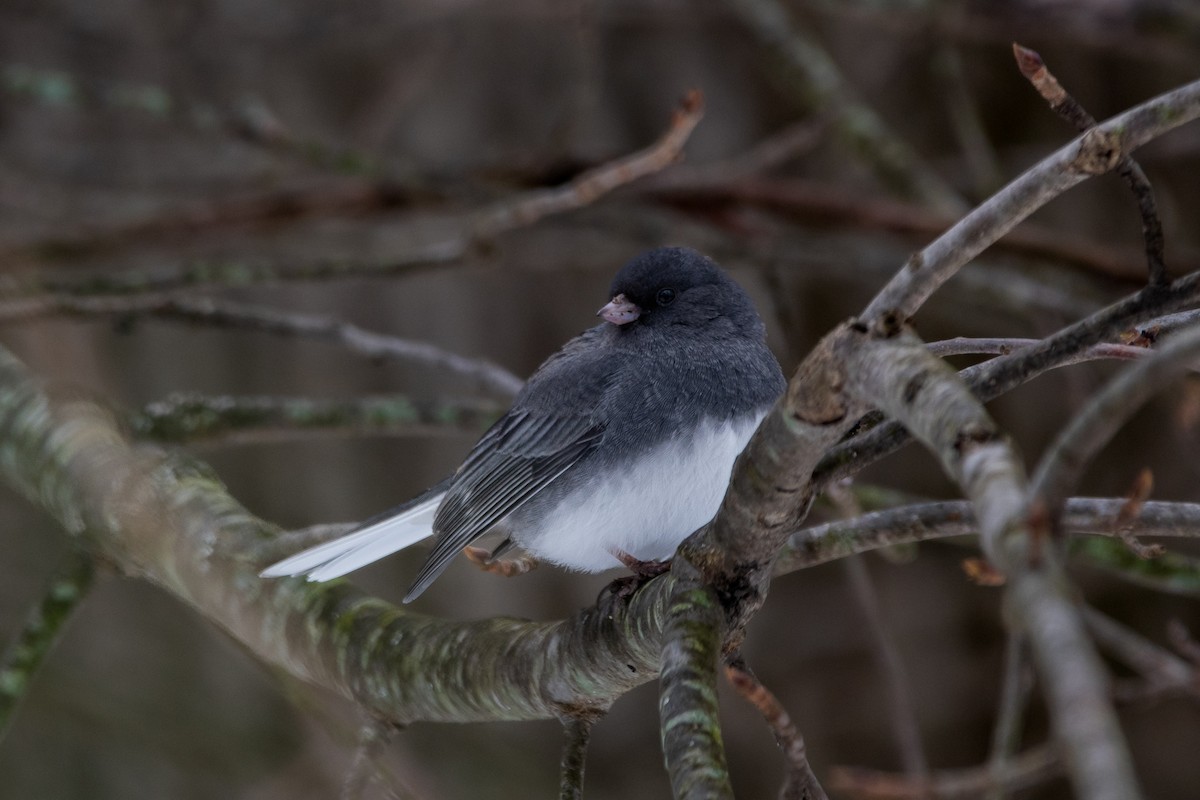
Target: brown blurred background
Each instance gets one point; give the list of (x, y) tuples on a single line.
[(148, 136)]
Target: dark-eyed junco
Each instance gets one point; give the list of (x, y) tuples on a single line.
[(618, 447)]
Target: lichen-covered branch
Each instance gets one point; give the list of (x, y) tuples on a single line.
[(69, 457), (578, 730), (21, 659), (202, 418), (691, 729)]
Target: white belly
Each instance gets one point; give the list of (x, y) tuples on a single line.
[(647, 510)]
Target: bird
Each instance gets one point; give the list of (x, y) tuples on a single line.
[(618, 447)]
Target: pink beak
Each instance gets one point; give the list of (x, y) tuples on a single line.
[(620, 311)]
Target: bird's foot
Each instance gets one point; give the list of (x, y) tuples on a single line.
[(507, 567), (643, 572), (642, 569)]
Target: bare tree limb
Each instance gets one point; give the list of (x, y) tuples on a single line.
[(898, 374), (69, 457), (1090, 429), (201, 418)]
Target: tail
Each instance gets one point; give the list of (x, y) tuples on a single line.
[(377, 538)]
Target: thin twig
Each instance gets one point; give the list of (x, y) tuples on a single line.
[(1066, 106), (1031, 768), (373, 739), (773, 151), (965, 345), (822, 203), (1160, 667), (1094, 425), (902, 709), (1014, 697), (594, 183), (921, 522), (230, 314), (800, 783)]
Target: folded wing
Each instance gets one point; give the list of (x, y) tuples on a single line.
[(520, 456)]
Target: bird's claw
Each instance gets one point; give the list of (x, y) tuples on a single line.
[(623, 588), (506, 567)]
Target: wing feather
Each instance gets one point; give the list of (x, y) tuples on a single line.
[(522, 454)]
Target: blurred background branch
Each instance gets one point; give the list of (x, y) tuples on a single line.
[(420, 201)]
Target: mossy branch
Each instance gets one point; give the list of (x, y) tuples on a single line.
[(171, 522)]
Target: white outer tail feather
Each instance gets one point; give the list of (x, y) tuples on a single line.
[(362, 547)]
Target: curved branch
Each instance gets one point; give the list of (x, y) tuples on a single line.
[(993, 378), (895, 372), (70, 458), (1090, 429), (1096, 152)]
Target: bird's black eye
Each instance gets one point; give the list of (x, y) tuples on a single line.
[(665, 297)]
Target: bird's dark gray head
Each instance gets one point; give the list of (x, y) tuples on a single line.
[(677, 286)]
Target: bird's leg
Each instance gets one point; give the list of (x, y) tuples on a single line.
[(489, 560), (643, 571)]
